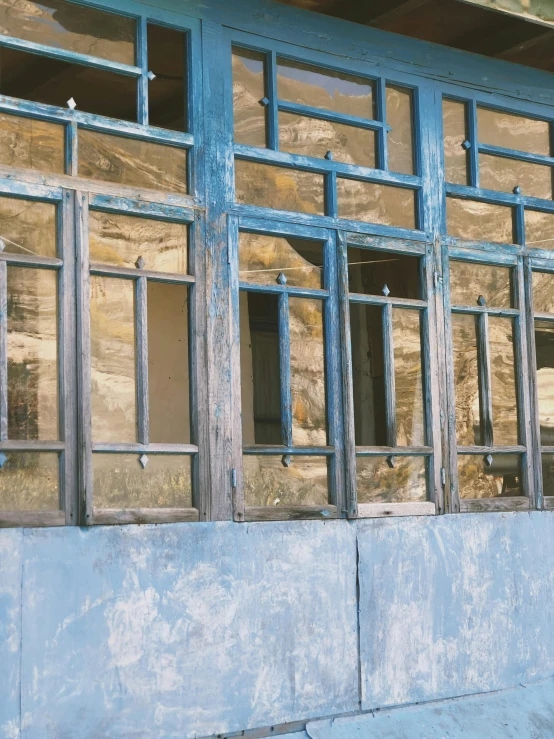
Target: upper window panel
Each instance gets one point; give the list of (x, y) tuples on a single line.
[(167, 101), (248, 93), (510, 131)]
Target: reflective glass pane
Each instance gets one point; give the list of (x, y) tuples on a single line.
[(307, 369), (248, 90), (267, 482), (379, 483), (317, 87), (501, 480), (544, 347), (121, 240), (399, 118), (27, 227), (120, 481), (471, 283), (469, 219), (168, 363), (112, 338), (167, 105), (29, 481), (315, 138), (539, 229), (260, 369), (497, 173), (66, 25), (263, 258), (32, 303), (466, 379), (548, 475), (408, 377), (132, 162), (380, 272), (455, 133), (32, 144), (366, 331), (543, 292), (503, 378), (373, 203), (513, 131), (277, 187)]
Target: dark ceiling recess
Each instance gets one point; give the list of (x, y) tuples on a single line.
[(451, 23)]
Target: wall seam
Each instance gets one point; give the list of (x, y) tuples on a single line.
[(358, 629), (23, 534)]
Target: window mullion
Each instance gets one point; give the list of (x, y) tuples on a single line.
[(390, 384), (484, 373), (142, 62), (284, 363), (3, 350), (141, 318)]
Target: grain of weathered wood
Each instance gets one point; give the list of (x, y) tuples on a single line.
[(290, 513), (133, 274), (24, 519), (375, 510), (494, 504), (284, 369), (107, 516), (3, 351), (141, 359)]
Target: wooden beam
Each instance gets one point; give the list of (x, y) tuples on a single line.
[(396, 12), (530, 43)]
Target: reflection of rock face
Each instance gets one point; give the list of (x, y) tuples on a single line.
[(268, 483), (471, 220), (29, 482), (379, 483), (31, 144)]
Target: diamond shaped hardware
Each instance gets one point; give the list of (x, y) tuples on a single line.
[(71, 103), (285, 460), (325, 513), (488, 460), (151, 76), (388, 128), (386, 291), (481, 300), (466, 145), (3, 459), (2, 245), (517, 190), (281, 279), (264, 101), (329, 155), (139, 264), (143, 460), (391, 461)]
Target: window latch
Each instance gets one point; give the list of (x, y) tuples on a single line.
[(443, 476)]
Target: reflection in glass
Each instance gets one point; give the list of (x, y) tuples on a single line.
[(168, 372), (503, 378), (543, 292), (66, 25), (511, 131), (260, 369), (312, 137), (112, 338), (470, 281), (27, 227), (317, 87), (548, 475), (399, 118), (263, 258), (379, 483), (466, 379), (167, 91), (501, 480), (29, 481), (544, 348), (469, 219), (307, 369), (120, 481), (539, 229), (498, 173), (455, 133), (277, 187), (32, 303), (370, 271), (248, 91), (408, 377), (32, 144), (267, 482), (121, 240), (373, 203), (132, 162)]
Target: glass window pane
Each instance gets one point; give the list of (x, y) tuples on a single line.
[(543, 292), (399, 118), (66, 25), (373, 203), (376, 272), (29, 481), (260, 369), (317, 87), (307, 369), (511, 131), (470, 281), (112, 338), (167, 105), (168, 363), (408, 377), (132, 162), (121, 240), (498, 173), (379, 483), (277, 187), (455, 133), (32, 144), (263, 258), (539, 229), (28, 227), (469, 219), (366, 331), (466, 379), (32, 303), (544, 347), (314, 138), (267, 482), (548, 475), (248, 90), (120, 481), (501, 480), (503, 378)]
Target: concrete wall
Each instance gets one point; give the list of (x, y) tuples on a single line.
[(188, 630)]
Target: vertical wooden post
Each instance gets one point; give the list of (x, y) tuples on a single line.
[(3, 350), (141, 323), (284, 369)]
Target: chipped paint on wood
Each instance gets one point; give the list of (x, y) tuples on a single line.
[(10, 631)]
